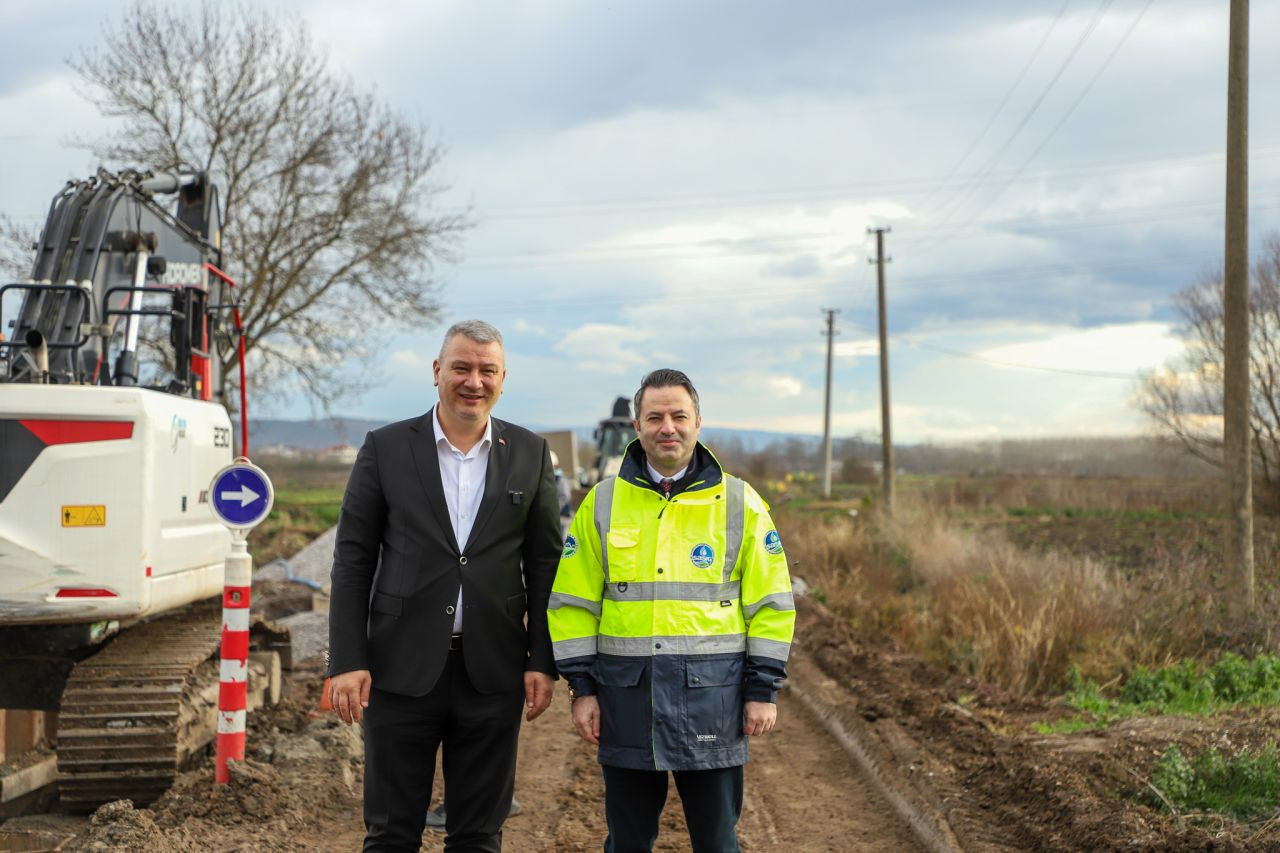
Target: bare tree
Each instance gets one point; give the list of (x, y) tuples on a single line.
[(330, 225), (1185, 399), (16, 252)]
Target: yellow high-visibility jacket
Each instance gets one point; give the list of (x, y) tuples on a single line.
[(673, 612)]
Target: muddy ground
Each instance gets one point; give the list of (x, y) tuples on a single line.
[(962, 751), (300, 784), (974, 752), (299, 790)]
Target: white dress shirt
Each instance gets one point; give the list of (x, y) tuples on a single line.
[(658, 476), (462, 476)]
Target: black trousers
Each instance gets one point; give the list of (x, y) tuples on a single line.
[(478, 732), (633, 801)]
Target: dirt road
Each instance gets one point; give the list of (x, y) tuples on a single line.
[(802, 794), (300, 792)]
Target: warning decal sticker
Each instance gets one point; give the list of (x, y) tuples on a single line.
[(84, 516)]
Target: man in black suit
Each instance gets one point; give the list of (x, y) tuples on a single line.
[(447, 542)]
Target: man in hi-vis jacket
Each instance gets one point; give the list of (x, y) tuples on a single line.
[(671, 618)]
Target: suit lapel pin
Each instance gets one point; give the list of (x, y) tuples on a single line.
[(516, 497), (502, 441)]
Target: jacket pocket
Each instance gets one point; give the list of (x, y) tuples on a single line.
[(624, 554), (623, 693), (392, 605), (515, 608), (713, 702)]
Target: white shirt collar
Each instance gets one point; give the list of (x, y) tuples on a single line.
[(482, 444), (659, 477)]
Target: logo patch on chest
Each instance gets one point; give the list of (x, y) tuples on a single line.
[(570, 546), (702, 555)]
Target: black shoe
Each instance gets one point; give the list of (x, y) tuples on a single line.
[(435, 817)]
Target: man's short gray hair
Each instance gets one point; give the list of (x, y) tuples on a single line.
[(666, 377), (475, 330)]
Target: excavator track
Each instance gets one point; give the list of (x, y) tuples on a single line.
[(134, 713)]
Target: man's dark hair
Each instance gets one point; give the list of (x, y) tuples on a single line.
[(666, 377)]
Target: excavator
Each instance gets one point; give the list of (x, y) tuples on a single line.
[(111, 430), (612, 435)]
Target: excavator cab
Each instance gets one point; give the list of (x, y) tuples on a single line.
[(120, 293)]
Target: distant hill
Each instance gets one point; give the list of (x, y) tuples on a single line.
[(309, 435), (754, 440), (326, 432), (773, 453)]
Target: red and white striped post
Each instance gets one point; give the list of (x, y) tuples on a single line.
[(240, 496), (233, 690)]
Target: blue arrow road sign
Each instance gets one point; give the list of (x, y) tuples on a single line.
[(241, 495)]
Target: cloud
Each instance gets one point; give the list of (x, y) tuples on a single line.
[(784, 386), (1125, 348), (411, 359), (699, 205), (797, 266), (522, 326), (604, 348), (39, 144), (856, 348)]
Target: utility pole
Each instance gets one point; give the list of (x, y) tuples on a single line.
[(1237, 455), (886, 437), (826, 408)]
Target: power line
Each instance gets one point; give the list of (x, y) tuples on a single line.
[(1003, 102), (1067, 115), (764, 245), (1097, 374), (753, 243), (1031, 111), (833, 192)]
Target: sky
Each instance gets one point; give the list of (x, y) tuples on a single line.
[(690, 185)]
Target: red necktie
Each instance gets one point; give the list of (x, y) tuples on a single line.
[(666, 484)]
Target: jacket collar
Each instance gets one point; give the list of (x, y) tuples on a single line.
[(704, 470)]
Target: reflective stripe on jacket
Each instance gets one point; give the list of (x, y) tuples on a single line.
[(674, 612)]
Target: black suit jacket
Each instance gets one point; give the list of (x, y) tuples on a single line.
[(397, 566)]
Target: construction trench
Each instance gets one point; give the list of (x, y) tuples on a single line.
[(822, 781)]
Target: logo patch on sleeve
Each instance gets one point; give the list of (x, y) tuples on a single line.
[(702, 555), (570, 546), (773, 542)]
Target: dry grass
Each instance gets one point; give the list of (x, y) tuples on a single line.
[(1004, 492), (999, 613), (972, 600)]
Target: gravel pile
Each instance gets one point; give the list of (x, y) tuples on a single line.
[(312, 563), (309, 629), (309, 633)]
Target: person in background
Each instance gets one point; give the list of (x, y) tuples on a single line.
[(564, 490)]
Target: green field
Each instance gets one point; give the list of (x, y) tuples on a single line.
[(308, 497)]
